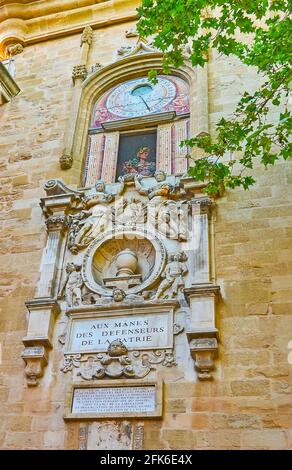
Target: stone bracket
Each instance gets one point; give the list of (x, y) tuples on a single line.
[(201, 332), (204, 351), (35, 358), (42, 314)]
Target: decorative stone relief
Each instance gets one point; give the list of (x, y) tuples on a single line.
[(86, 36), (66, 161), (56, 222), (79, 71), (73, 285), (173, 275), (118, 362), (14, 49), (95, 67), (124, 50)]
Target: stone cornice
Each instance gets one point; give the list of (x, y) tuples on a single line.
[(42, 20)]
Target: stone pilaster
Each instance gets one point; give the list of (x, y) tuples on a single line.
[(44, 308), (201, 214)]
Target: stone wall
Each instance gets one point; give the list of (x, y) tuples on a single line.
[(248, 405)]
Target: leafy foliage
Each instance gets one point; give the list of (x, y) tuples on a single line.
[(258, 33)]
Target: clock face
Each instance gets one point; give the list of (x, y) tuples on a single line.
[(139, 97)]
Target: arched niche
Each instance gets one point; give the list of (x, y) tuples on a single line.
[(130, 67)]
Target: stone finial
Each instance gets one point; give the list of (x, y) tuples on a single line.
[(87, 35)]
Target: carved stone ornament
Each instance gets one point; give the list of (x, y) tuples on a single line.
[(118, 362), (73, 285), (101, 268), (56, 222), (131, 33), (177, 329), (79, 71), (95, 67), (141, 47), (87, 35), (14, 49), (204, 351), (129, 212), (35, 358), (173, 275), (202, 205), (124, 50), (93, 220), (66, 161)]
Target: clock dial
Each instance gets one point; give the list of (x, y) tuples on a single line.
[(139, 97)]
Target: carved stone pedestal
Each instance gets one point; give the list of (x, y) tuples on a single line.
[(201, 332)]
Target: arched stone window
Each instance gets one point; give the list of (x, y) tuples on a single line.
[(136, 127), (116, 112)]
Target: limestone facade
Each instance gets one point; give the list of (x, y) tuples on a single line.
[(231, 385)]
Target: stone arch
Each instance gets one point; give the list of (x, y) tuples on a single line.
[(129, 67)]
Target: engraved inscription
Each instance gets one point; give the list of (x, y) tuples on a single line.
[(136, 332), (110, 400)]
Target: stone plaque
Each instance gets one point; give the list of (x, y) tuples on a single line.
[(148, 331), (108, 400)]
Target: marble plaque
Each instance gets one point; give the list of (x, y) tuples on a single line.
[(148, 331), (108, 400)]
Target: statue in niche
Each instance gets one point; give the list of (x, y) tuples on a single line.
[(73, 285), (173, 276)]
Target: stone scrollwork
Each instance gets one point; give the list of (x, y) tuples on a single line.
[(177, 329), (118, 362), (173, 276)]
